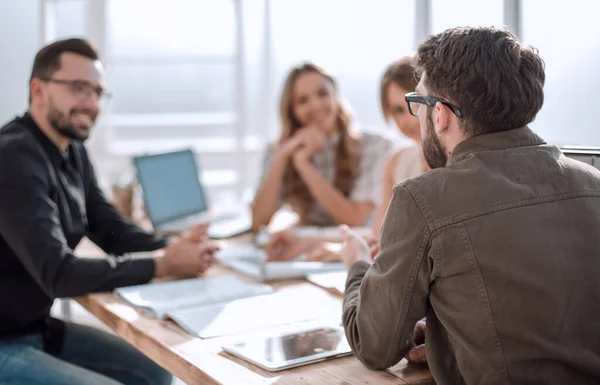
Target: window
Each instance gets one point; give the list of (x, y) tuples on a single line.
[(354, 40), (71, 18), (172, 64), (172, 67), (457, 13), (571, 52), (173, 89), (174, 28)]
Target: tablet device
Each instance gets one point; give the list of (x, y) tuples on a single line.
[(291, 349)]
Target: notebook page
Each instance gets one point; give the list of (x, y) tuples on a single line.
[(162, 297), (285, 307)]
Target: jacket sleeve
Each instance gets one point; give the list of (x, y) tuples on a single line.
[(107, 228), (30, 224), (384, 301)]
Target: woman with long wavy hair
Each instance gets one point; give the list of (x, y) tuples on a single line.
[(320, 166), (399, 78)]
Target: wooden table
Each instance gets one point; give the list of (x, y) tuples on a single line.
[(202, 361)]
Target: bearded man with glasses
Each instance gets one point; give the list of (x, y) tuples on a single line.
[(50, 200), (497, 246)]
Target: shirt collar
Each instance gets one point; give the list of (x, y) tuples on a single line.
[(57, 157), (518, 137)]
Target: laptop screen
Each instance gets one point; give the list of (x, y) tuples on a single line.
[(171, 185)]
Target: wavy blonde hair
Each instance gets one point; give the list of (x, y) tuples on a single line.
[(347, 157)]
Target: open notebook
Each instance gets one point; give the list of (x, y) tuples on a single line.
[(285, 307), (225, 305), (161, 299)]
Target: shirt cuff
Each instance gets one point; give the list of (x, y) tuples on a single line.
[(160, 243), (144, 268)]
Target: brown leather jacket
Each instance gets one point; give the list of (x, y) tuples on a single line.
[(501, 251)]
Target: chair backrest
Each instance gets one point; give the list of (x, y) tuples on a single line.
[(589, 155)]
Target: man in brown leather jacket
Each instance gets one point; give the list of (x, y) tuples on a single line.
[(498, 246)]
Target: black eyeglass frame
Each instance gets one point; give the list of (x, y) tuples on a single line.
[(100, 92), (429, 101)]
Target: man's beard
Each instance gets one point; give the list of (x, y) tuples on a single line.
[(435, 154), (62, 122)]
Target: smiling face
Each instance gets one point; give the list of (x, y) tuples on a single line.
[(314, 102), (398, 110), (69, 99)]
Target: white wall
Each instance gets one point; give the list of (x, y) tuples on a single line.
[(19, 41), (567, 39)]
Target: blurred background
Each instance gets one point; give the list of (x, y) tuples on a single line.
[(207, 73)]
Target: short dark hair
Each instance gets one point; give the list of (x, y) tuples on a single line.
[(47, 60), (496, 81), (401, 72)]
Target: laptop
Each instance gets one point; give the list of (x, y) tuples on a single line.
[(176, 200)]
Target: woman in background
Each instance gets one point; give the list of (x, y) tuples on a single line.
[(319, 165), (399, 79)]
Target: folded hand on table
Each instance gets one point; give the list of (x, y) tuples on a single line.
[(188, 256)]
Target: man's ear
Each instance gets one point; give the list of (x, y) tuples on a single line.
[(36, 90), (441, 121)]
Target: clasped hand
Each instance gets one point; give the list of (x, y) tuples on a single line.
[(188, 256), (303, 144)]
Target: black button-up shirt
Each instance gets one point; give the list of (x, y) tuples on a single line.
[(49, 200)]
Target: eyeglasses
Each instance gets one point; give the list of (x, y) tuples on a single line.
[(81, 89), (413, 99)]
